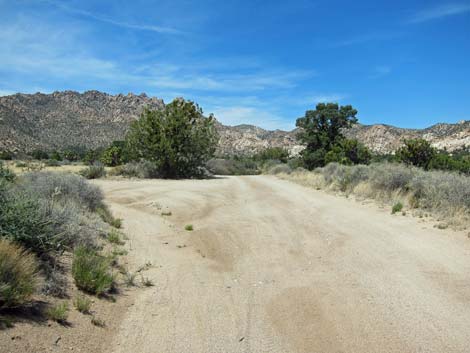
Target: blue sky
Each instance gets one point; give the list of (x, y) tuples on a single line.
[(405, 63)]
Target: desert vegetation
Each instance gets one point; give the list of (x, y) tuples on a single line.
[(445, 195), (45, 219), (177, 140)]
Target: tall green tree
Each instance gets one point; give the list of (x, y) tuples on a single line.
[(321, 130), (178, 139), (417, 152)]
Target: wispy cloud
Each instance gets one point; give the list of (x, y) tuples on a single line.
[(90, 15), (438, 12), (380, 71), (236, 115), (366, 38), (6, 92)]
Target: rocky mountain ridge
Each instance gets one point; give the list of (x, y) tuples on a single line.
[(94, 119)]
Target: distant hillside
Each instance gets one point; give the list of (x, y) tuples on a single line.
[(94, 119)]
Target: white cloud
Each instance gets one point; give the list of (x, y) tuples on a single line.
[(439, 12), (327, 98)]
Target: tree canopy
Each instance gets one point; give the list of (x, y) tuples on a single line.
[(177, 139), (321, 132)]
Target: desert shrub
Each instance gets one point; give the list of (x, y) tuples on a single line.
[(6, 174), (98, 322), (397, 207), (142, 169), (178, 139), (55, 283), (82, 304), (61, 186), (348, 152), (280, 168), (6, 155), (114, 237), (146, 282), (52, 163), (129, 279), (56, 155), (108, 217), (239, 166), (19, 276), (438, 189), (417, 152), (457, 161), (91, 271), (94, 171), (58, 312), (391, 176), (445, 194), (74, 153), (273, 153), (23, 220), (39, 154), (50, 212), (189, 227)]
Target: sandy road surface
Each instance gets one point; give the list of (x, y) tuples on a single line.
[(275, 267)]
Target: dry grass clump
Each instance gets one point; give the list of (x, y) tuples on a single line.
[(82, 304), (446, 195), (19, 276), (58, 312)]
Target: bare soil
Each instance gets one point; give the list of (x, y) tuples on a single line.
[(272, 266)]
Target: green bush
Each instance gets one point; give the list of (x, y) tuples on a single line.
[(114, 237), (91, 271), (6, 174), (52, 163), (50, 211), (18, 275), (40, 154), (107, 217), (273, 153), (349, 152), (93, 171), (417, 152), (55, 155), (238, 166), (397, 207), (74, 153), (23, 220), (6, 155), (178, 139)]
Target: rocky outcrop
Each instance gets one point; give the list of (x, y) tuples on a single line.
[(386, 139), (60, 119), (94, 119)]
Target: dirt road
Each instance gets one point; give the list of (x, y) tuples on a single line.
[(272, 266)]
